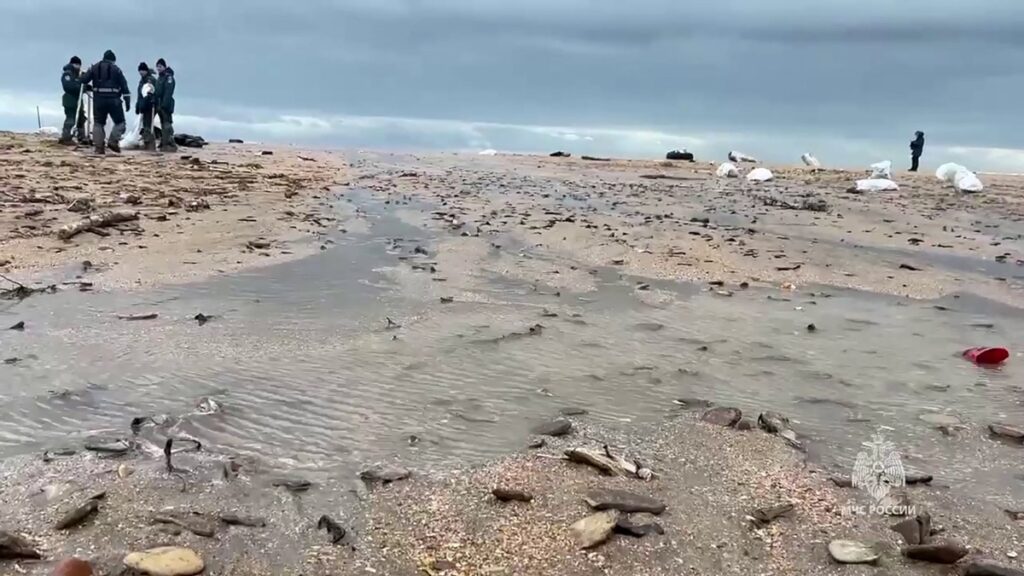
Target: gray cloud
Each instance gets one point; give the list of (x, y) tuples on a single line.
[(868, 72)]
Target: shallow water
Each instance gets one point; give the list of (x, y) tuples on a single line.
[(310, 376)]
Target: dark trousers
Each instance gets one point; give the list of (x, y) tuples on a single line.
[(167, 130), (103, 108), (914, 158), (73, 121), (147, 128)]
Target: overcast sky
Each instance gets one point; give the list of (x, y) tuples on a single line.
[(849, 80)]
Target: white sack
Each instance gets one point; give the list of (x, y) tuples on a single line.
[(876, 185), (966, 181), (810, 160), (881, 170), (727, 170), (741, 157), (760, 175)]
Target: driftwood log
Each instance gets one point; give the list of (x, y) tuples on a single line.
[(99, 220)]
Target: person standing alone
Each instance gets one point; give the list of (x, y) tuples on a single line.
[(164, 98), (144, 105), (916, 149), (109, 87), (71, 81)]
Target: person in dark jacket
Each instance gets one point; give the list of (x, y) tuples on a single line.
[(144, 105), (71, 81), (109, 88), (916, 149), (164, 96)]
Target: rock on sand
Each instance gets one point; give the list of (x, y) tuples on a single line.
[(852, 552), (594, 529), (722, 416), (557, 427), (623, 501), (165, 561)]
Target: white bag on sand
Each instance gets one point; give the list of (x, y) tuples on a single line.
[(962, 179), (489, 152), (741, 157), (947, 171), (966, 181), (727, 170), (810, 160), (133, 138), (48, 131), (881, 169), (876, 185), (760, 175)]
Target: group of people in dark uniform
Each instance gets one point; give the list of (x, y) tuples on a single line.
[(106, 82)]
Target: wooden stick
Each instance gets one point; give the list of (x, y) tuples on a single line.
[(100, 220)]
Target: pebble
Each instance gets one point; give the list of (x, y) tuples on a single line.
[(1006, 431), (237, 520), (195, 523), (384, 474), (938, 553), (941, 419), (988, 568), (165, 561), (594, 529), (72, 567), (624, 526), (294, 484), (107, 446), (852, 552), (511, 494), (722, 416), (915, 530), (772, 422), (555, 428), (78, 515), (623, 501), (14, 546)]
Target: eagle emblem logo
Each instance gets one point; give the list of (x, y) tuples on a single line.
[(878, 469)]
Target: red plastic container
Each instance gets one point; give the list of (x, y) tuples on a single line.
[(987, 356)]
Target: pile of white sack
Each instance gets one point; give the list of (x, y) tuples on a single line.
[(962, 179), (727, 170), (810, 160), (882, 169), (880, 179)]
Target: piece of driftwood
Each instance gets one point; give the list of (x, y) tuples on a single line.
[(20, 291), (137, 317), (595, 459), (608, 463), (99, 220)]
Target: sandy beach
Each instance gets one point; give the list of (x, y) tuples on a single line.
[(415, 331), (200, 212)]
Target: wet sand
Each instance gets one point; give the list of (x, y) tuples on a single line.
[(201, 212), (526, 218)]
